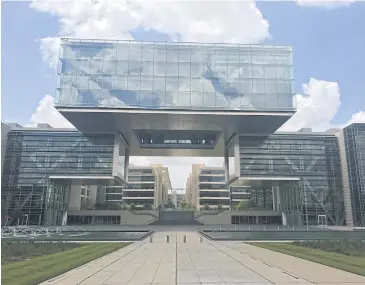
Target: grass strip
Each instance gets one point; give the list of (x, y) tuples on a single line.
[(353, 264), (44, 267)]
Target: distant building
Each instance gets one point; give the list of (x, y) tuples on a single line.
[(212, 187), (192, 185)]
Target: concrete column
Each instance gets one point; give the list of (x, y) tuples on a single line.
[(226, 163), (126, 163), (276, 196), (75, 195), (345, 179), (117, 142), (64, 218), (93, 192), (283, 216)]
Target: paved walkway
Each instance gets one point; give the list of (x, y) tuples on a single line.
[(207, 263)]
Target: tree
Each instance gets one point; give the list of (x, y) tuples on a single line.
[(124, 207), (242, 205), (169, 204), (183, 205), (220, 208), (132, 206), (206, 207)]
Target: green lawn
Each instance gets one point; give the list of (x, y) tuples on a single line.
[(353, 264), (19, 251), (41, 268)]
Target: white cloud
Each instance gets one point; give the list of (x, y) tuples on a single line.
[(202, 21), (316, 107), (358, 117), (325, 3), (50, 50), (47, 113)]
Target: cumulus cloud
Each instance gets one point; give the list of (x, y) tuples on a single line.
[(46, 113), (317, 106), (201, 21), (325, 3), (358, 117), (49, 47)]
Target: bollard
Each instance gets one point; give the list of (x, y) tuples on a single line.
[(167, 238), (201, 239), (150, 238), (184, 238)]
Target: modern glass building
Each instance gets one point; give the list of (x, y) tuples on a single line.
[(306, 164), (40, 164), (161, 75), (131, 98), (352, 147)]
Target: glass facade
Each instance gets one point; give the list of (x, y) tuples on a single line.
[(354, 136), (34, 155), (313, 158), (169, 75)]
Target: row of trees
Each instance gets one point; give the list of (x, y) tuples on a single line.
[(246, 205), (89, 205), (243, 205), (185, 205)]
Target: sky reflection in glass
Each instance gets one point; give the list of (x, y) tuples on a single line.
[(132, 74)]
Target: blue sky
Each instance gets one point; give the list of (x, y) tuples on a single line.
[(327, 45)]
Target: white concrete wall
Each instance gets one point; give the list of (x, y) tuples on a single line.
[(213, 218), (129, 218), (126, 217)]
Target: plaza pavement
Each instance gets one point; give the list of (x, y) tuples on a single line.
[(206, 263)]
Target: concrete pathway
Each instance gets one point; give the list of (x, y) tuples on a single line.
[(196, 262)]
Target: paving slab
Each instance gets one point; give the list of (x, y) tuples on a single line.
[(205, 263)]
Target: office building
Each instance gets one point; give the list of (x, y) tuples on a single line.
[(213, 192), (132, 98), (192, 186), (352, 150)]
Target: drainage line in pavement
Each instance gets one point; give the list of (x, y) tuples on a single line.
[(283, 270)]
